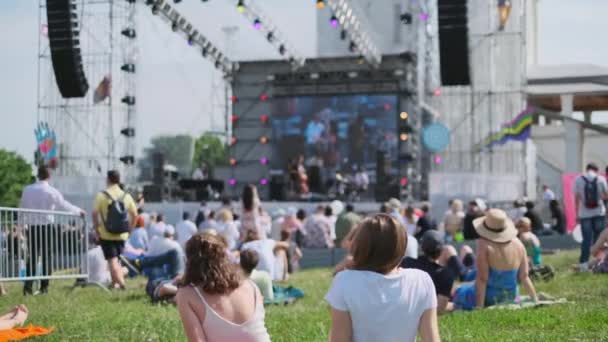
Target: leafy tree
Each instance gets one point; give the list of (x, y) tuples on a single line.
[(15, 174), (176, 149), (209, 149)]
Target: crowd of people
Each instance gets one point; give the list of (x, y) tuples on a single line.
[(400, 272)]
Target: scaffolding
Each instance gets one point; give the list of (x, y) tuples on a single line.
[(93, 138)]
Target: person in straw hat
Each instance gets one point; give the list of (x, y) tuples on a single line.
[(502, 263)]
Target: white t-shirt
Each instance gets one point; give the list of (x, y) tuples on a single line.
[(265, 250), (162, 245), (411, 250), (230, 232), (156, 230), (383, 307), (99, 272), (184, 231)]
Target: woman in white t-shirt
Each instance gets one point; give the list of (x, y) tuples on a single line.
[(411, 221), (372, 298)]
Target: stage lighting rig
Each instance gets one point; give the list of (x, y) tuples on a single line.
[(356, 28), (184, 28), (263, 23)]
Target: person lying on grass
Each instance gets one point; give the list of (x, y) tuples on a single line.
[(372, 298), (16, 317), (598, 250)]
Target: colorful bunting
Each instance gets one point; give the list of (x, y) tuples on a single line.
[(516, 130)]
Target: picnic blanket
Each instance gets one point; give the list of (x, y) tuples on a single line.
[(18, 334), (284, 295), (525, 302)]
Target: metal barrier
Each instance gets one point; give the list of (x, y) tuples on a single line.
[(42, 245)]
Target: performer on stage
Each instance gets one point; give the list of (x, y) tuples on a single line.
[(298, 175)]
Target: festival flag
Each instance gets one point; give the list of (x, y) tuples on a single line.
[(518, 129), (102, 91), (46, 141)]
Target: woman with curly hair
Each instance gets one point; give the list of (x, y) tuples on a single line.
[(216, 301)]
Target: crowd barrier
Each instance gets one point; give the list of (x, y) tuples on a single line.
[(42, 245)]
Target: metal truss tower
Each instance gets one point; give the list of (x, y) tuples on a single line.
[(97, 132)]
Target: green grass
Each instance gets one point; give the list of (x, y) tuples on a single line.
[(92, 315)]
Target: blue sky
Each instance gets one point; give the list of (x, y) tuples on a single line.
[(175, 79)]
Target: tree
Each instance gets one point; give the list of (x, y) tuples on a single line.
[(176, 149), (15, 174), (209, 149)]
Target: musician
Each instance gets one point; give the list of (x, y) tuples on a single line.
[(201, 172)]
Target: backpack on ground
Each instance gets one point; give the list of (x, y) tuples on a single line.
[(591, 193), (117, 220)]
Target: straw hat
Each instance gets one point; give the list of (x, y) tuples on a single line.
[(394, 204), (495, 226)]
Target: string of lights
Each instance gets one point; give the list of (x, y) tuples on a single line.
[(346, 16), (262, 22), (181, 26)]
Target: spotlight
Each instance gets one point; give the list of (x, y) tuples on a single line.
[(232, 182), (352, 47), (403, 181), (263, 140), (128, 132), (264, 160), (264, 181), (174, 26), (352, 74), (264, 118), (232, 140), (240, 6), (333, 21), (343, 35), (437, 92), (263, 97), (270, 37), (424, 16), (314, 76), (406, 18), (257, 24), (438, 160), (233, 99), (234, 118), (128, 100), (403, 136), (129, 33), (232, 161), (282, 49), (129, 67), (320, 4), (403, 115)]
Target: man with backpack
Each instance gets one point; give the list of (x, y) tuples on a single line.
[(114, 215), (590, 192)]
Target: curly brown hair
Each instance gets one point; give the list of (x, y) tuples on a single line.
[(208, 266)]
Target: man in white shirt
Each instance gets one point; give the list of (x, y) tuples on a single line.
[(157, 229), (266, 250), (42, 196), (548, 194), (164, 244), (185, 229)]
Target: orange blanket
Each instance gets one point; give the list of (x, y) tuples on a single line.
[(18, 334)]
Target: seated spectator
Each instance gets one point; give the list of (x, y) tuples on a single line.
[(227, 228), (292, 222), (138, 239), (443, 278), (502, 262), (557, 215), (372, 298), (157, 229), (14, 318), (215, 302), (463, 266), (185, 229), (318, 230), (474, 212), (271, 253), (599, 251), (249, 261), (162, 245), (425, 222), (530, 241), (453, 221), (163, 271), (209, 224), (535, 219), (345, 223)]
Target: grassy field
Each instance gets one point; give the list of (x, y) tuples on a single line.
[(92, 315)]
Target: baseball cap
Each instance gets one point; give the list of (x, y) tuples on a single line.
[(431, 242)]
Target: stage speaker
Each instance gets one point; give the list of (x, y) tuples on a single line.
[(454, 42), (383, 168), (277, 187), (158, 172), (63, 32), (153, 193)]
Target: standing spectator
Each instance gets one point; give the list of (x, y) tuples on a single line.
[(249, 261), (345, 223), (394, 209), (138, 239), (157, 229), (226, 227), (301, 233), (294, 253), (558, 218), (548, 194), (410, 221), (443, 277), (42, 196), (112, 244), (474, 212), (185, 229), (201, 215), (502, 263), (425, 222), (318, 231), (331, 220), (215, 302), (453, 221), (250, 212), (590, 191), (372, 297)]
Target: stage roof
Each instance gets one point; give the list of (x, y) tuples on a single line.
[(588, 83)]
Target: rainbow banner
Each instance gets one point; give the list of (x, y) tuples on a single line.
[(518, 129), (46, 141)]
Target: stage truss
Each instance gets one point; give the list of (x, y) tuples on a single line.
[(93, 138)]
